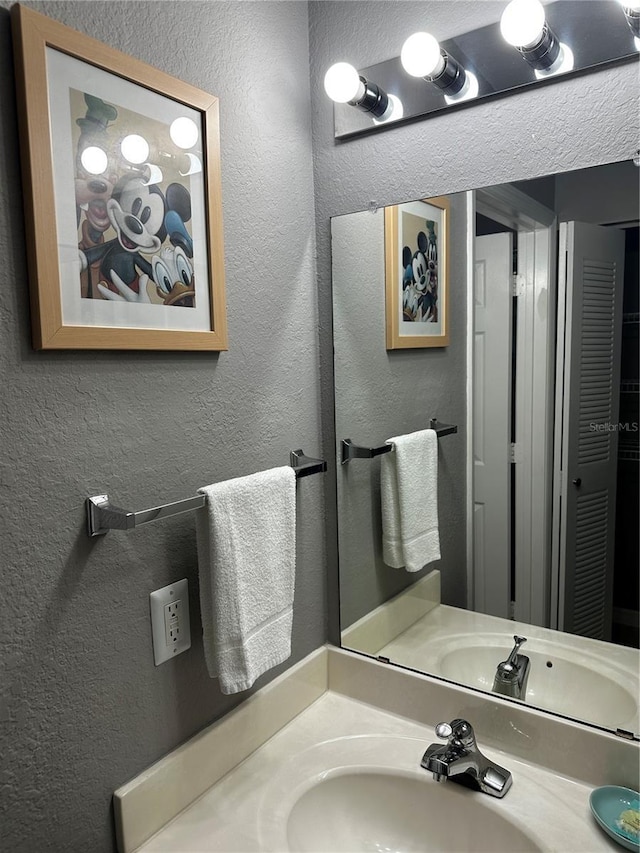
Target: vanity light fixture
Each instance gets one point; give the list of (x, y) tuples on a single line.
[(541, 34), (524, 26), (344, 85), (422, 56)]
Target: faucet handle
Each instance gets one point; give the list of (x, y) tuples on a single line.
[(508, 668), (514, 651), (444, 731), (458, 733)]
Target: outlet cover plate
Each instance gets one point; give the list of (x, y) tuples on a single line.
[(170, 603)]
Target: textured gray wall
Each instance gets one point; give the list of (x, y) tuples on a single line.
[(84, 708), (380, 394), (572, 123)]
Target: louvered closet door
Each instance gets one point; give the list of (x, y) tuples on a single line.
[(593, 259)]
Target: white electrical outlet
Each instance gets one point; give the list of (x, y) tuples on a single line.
[(170, 620)]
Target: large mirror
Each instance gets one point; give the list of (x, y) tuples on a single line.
[(536, 531)]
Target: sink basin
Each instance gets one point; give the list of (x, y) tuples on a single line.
[(368, 809), (344, 775), (557, 680), (368, 793)]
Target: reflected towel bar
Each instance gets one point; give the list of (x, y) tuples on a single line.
[(353, 451), (102, 516)]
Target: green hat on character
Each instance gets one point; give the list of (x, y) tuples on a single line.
[(98, 115)]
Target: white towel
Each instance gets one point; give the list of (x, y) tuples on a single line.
[(409, 493), (246, 537)]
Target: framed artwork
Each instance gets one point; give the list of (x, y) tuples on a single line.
[(122, 191), (416, 238)]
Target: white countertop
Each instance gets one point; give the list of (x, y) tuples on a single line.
[(246, 810)]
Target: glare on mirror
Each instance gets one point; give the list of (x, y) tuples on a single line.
[(532, 590)]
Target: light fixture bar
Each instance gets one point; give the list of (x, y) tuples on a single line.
[(595, 37)]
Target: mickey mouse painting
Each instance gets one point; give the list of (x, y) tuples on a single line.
[(134, 242), (420, 277)]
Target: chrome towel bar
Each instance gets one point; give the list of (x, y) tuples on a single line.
[(354, 451), (103, 516)]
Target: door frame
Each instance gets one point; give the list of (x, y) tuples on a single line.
[(536, 226)]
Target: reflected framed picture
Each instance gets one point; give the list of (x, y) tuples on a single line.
[(122, 192), (416, 238)]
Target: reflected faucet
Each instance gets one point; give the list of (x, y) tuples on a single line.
[(461, 761), (512, 674)]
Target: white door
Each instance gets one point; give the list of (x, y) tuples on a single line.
[(533, 409), (491, 423), (591, 267)]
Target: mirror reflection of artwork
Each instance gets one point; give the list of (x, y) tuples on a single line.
[(416, 247), (133, 205), (420, 269)]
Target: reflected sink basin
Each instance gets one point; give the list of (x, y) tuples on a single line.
[(370, 809), (557, 681)]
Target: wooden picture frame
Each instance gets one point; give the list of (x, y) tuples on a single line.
[(122, 193), (416, 236)]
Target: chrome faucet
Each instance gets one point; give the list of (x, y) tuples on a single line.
[(512, 674), (461, 761)]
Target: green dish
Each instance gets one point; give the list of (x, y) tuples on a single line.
[(607, 804)]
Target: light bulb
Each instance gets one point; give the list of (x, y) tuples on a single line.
[(94, 160), (135, 148), (522, 22), (342, 83), (184, 132), (420, 55), (630, 4)]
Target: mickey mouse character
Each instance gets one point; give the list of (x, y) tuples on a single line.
[(418, 294), (136, 213), (432, 264)]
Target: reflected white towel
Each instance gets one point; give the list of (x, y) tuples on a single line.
[(409, 493), (246, 537)]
